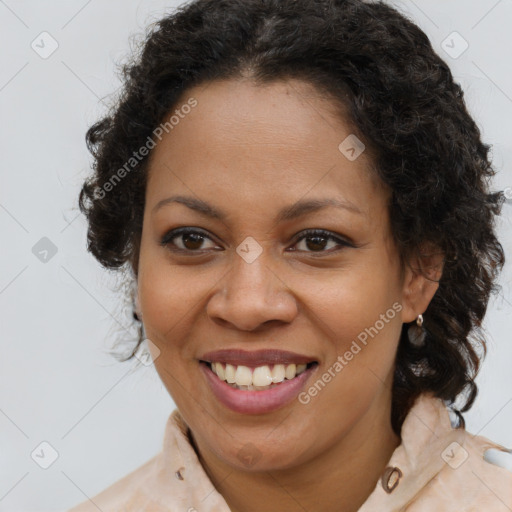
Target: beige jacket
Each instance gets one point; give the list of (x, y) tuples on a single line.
[(435, 468)]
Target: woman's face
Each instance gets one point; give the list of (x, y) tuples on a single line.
[(253, 155)]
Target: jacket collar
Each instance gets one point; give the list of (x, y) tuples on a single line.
[(435, 467)]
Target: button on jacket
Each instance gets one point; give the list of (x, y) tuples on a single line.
[(435, 468)]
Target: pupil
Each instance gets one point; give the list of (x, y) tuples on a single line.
[(195, 239), (319, 245)]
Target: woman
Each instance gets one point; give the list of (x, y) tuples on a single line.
[(302, 200)]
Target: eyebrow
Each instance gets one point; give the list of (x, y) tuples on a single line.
[(286, 214)]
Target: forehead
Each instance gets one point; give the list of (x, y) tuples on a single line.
[(262, 141)]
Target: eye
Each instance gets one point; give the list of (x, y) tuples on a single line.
[(319, 240), (189, 240), (192, 240)]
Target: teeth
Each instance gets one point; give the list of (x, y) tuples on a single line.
[(219, 370), (278, 373), (243, 376), (261, 377), (291, 371), (230, 373)]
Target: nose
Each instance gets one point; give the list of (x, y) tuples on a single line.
[(252, 296)]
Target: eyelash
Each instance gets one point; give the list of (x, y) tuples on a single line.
[(171, 235)]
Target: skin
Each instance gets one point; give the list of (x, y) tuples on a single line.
[(250, 151)]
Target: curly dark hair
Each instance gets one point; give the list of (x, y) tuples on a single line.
[(400, 96)]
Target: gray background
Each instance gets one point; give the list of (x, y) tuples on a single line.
[(57, 383)]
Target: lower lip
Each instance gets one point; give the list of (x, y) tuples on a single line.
[(256, 402)]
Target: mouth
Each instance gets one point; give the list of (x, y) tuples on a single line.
[(256, 382), (257, 378)]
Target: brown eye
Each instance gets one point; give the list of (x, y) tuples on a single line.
[(192, 241), (318, 240), (187, 240)]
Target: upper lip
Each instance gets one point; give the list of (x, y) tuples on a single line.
[(237, 357)]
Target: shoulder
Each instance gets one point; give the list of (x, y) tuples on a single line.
[(438, 467), (172, 480), (123, 494), (147, 487)]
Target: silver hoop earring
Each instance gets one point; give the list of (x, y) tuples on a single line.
[(416, 333)]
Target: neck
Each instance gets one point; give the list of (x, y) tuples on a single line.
[(341, 478)]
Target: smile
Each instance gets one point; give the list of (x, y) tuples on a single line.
[(245, 398)]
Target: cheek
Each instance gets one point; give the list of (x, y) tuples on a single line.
[(168, 294), (362, 320), (350, 301), (358, 318), (167, 303)]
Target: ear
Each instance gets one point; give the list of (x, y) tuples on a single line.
[(421, 280)]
